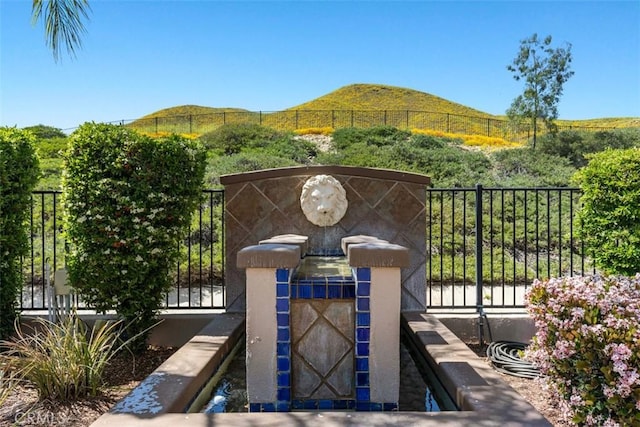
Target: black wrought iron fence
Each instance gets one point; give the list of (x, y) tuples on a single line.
[(197, 280), (484, 247)]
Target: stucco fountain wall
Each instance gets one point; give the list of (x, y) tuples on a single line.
[(386, 204)]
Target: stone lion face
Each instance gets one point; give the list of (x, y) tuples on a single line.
[(323, 200)]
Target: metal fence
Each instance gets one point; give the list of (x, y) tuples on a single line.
[(197, 279), (484, 247), (335, 119)]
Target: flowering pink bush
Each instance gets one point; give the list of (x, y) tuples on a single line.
[(587, 346)]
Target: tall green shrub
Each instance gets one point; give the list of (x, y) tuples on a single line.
[(19, 173), (128, 201), (611, 209)]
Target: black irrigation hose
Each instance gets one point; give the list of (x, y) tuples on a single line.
[(505, 358)]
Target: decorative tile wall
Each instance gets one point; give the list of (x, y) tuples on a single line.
[(385, 204)]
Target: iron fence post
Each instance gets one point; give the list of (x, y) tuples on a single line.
[(479, 248)]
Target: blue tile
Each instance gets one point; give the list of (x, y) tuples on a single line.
[(304, 291), (284, 379), (283, 407), (342, 404), (284, 393), (325, 404), (362, 334), (282, 275), (349, 291), (362, 379), (282, 290), (389, 406), (294, 291), (284, 348), (363, 274), (311, 404), (284, 335), (297, 404), (282, 319), (375, 406), (282, 305), (268, 407), (283, 364), (362, 406), (255, 407), (363, 394), (363, 289), (362, 364), (363, 304), (362, 349), (335, 291), (320, 291), (362, 319)]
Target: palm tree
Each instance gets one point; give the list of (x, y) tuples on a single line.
[(62, 23)]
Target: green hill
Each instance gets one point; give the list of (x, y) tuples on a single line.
[(359, 105), (186, 110), (383, 97)]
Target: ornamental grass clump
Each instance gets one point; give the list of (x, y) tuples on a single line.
[(64, 360), (587, 346)]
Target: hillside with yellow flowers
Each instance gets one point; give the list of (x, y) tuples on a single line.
[(358, 105)]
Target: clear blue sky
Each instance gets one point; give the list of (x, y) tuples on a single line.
[(142, 56)]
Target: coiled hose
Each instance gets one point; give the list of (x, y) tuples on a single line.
[(505, 358)]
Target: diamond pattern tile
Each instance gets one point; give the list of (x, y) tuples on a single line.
[(322, 348)]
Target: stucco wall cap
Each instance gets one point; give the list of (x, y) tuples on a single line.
[(289, 239), (269, 255), (378, 254), (360, 238)]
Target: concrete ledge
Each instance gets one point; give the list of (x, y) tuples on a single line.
[(313, 419), (488, 401), (269, 256), (172, 386), (289, 239), (345, 242), (469, 380), (378, 254)]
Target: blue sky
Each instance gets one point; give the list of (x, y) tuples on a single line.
[(142, 56)]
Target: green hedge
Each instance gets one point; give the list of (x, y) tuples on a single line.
[(19, 173), (128, 201), (611, 209)]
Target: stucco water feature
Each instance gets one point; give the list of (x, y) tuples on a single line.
[(287, 315)]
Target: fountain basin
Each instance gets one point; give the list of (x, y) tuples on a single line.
[(480, 393)]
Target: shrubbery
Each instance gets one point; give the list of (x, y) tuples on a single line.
[(128, 201), (252, 138), (611, 209), (576, 145), (587, 345), (525, 167), (19, 173)]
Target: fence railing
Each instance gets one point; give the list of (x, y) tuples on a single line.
[(335, 119), (197, 280), (484, 247)]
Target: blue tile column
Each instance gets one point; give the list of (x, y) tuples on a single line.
[(363, 333), (283, 314)]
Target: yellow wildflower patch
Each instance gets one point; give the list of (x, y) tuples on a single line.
[(470, 140), (315, 131)]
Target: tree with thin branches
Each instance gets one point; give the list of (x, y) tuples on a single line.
[(544, 70), (63, 23)]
